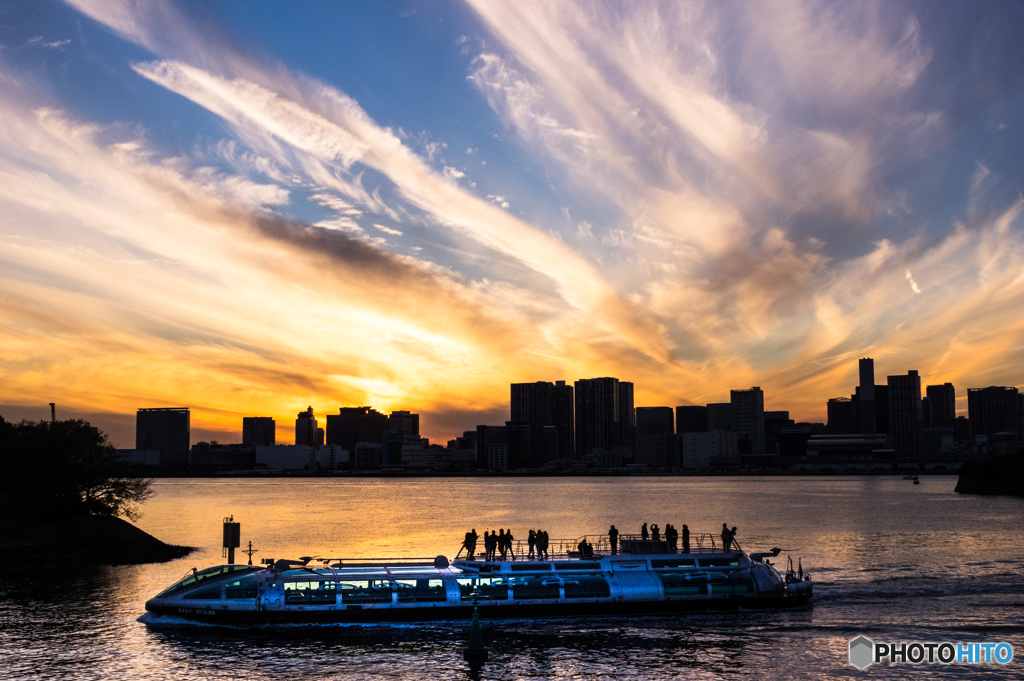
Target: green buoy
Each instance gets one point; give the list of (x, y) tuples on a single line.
[(475, 650)]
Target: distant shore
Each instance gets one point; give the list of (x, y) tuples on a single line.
[(257, 475)]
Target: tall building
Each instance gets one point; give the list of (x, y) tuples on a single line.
[(167, 430), (356, 424), (987, 408), (691, 419), (905, 415), (866, 409), (842, 416), (547, 404), (604, 415), (774, 423), (305, 429), (654, 430), (404, 423), (259, 431), (748, 417), (720, 416)]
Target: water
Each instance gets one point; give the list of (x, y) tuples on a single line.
[(891, 560)]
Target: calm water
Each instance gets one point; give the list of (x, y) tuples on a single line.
[(891, 560)]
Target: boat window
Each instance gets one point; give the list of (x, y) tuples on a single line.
[(310, 592), (586, 585), (738, 582), (196, 579), (534, 586), (673, 563), (577, 566), (365, 591), (488, 588), (243, 587), (683, 583), (421, 590), (531, 567), (719, 562), (210, 593)]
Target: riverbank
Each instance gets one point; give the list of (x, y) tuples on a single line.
[(90, 540), (998, 475)]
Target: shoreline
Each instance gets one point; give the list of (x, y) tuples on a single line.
[(258, 475)]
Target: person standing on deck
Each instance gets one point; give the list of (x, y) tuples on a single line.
[(508, 542), (471, 543), (655, 533), (686, 539), (613, 539), (643, 533), (732, 539), (531, 540), (726, 537)]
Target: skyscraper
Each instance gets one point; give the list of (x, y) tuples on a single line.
[(167, 430), (654, 430), (905, 415), (720, 416), (404, 423), (604, 415), (356, 424), (691, 419), (259, 431), (748, 417), (305, 428), (547, 404), (987, 408), (842, 416), (866, 395)]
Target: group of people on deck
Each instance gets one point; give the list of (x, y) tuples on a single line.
[(501, 543)]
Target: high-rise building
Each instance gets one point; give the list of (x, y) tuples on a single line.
[(356, 424), (905, 415), (654, 430), (842, 416), (604, 415), (943, 399), (748, 417), (404, 423), (866, 408), (547, 404), (774, 423), (259, 431), (987, 408), (691, 419), (167, 430), (720, 416), (305, 429)]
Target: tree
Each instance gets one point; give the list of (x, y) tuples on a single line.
[(63, 469)]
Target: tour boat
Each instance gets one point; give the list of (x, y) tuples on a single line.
[(644, 576)]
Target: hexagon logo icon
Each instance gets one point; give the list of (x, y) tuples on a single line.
[(862, 652)]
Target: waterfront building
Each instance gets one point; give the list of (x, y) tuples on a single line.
[(987, 408), (700, 450), (943, 404), (404, 423), (691, 419), (748, 417), (167, 430), (352, 425), (605, 417), (654, 431), (905, 414), (259, 431), (306, 428), (866, 409), (547, 404), (842, 415), (720, 416)]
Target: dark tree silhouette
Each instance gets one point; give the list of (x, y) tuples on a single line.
[(64, 469)]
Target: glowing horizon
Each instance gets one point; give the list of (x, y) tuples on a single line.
[(248, 211)]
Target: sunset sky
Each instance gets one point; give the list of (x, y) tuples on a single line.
[(248, 208)]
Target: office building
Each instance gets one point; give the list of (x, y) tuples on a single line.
[(547, 404), (987, 408), (167, 430), (748, 418), (866, 410), (654, 430), (719, 416), (352, 425), (842, 416), (259, 431), (404, 423), (943, 404), (774, 423), (605, 418), (691, 419), (905, 414), (305, 429), (702, 450)]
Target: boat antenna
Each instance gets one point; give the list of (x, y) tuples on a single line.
[(250, 551)]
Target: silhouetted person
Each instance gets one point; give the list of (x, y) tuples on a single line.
[(732, 538), (686, 539), (726, 537), (472, 537), (501, 543), (643, 533), (613, 539), (491, 543), (508, 542), (543, 540), (655, 533), (531, 540), (671, 536)]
